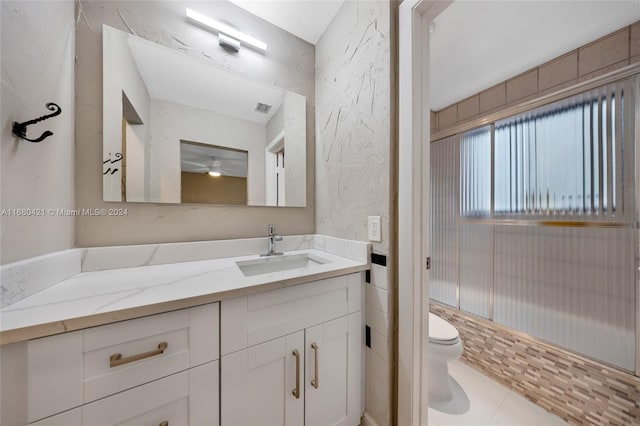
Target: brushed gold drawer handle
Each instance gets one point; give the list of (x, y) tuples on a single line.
[(164, 424), (296, 391), (116, 359), (315, 382)]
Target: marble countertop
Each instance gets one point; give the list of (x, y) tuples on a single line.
[(94, 298)]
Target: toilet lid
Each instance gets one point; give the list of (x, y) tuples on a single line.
[(440, 331)]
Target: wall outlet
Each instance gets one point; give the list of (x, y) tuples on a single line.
[(373, 228)]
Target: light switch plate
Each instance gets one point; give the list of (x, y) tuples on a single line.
[(373, 228)]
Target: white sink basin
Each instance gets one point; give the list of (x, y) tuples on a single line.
[(269, 264)]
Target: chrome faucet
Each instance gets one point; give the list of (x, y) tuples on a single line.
[(273, 237)]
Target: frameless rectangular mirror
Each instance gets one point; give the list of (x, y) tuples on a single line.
[(179, 130)]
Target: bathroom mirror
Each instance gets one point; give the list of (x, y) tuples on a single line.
[(177, 129)]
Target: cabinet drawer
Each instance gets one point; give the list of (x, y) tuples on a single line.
[(68, 418), (189, 397), (186, 398), (72, 369), (257, 318), (165, 400)]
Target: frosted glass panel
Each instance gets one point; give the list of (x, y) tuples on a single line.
[(565, 159), (444, 221), (574, 287), (475, 173), (476, 268), (532, 222)]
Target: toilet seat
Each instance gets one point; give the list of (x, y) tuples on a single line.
[(441, 332)]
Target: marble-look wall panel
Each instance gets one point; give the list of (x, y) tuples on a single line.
[(37, 67), (354, 148), (288, 63), (353, 137)]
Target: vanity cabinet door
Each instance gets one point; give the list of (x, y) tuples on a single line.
[(333, 372), (264, 384)]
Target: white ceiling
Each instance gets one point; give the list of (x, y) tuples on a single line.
[(477, 44), (307, 19), (176, 77)]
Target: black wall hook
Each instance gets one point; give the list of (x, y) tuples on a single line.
[(20, 129)]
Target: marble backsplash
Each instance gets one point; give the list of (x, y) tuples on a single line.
[(27, 277)]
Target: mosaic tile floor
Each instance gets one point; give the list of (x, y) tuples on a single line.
[(478, 400)]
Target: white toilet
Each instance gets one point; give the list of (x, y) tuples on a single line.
[(444, 345)]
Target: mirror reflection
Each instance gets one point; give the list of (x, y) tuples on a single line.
[(171, 122), (210, 174)]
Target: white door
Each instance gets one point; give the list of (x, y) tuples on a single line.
[(264, 384), (333, 366)]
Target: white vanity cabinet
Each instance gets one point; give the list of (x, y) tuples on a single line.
[(157, 370), (333, 366), (293, 356)]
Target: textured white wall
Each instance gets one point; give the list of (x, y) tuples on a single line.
[(353, 82), (37, 50), (288, 64), (354, 144)]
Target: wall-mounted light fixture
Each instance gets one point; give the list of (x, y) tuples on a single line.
[(227, 36), (228, 43)]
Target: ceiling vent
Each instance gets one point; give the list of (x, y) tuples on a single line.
[(263, 108)]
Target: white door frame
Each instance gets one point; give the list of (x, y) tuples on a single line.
[(414, 197), (274, 193)]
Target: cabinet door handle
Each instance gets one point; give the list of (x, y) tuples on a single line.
[(315, 382), (296, 391), (116, 359)]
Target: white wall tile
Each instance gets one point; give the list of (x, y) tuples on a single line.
[(379, 276), (380, 344), (377, 320), (378, 389), (377, 410), (378, 367), (378, 298)]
